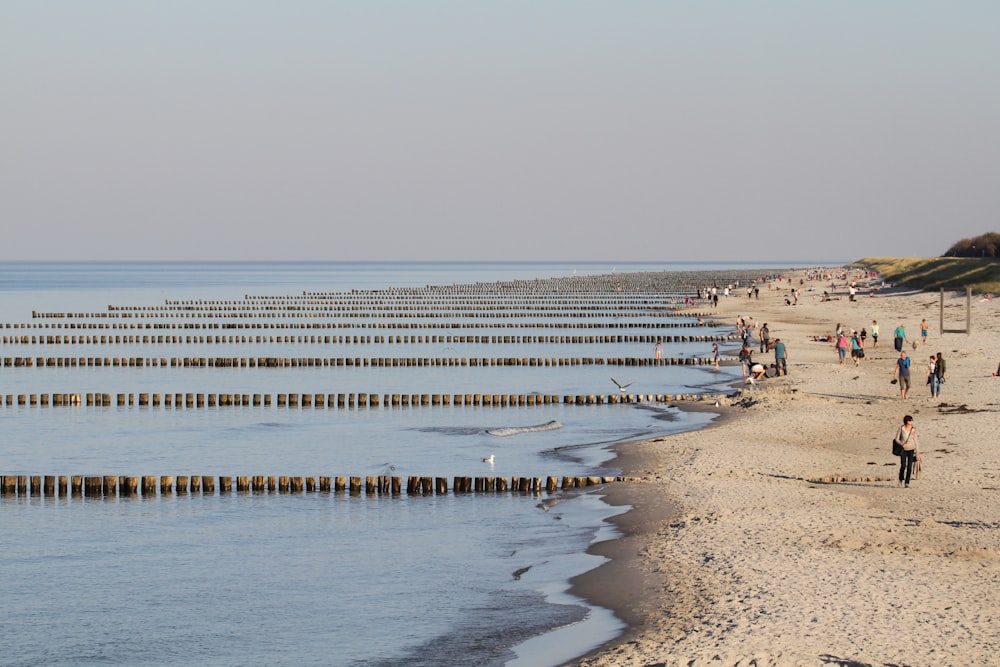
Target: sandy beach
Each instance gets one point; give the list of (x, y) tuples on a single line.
[(779, 535)]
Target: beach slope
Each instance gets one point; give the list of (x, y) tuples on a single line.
[(779, 535)]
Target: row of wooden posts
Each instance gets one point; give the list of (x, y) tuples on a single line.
[(357, 362), (355, 400), (464, 306), (659, 324), (189, 339), (275, 314), (104, 486)]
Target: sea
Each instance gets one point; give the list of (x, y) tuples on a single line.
[(311, 578)]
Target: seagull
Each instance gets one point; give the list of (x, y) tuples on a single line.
[(623, 387), (489, 459)]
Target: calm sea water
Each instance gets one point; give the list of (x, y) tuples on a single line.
[(312, 578)]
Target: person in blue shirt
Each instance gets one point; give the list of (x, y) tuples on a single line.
[(902, 374)]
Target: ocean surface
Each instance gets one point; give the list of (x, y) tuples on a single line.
[(313, 578)]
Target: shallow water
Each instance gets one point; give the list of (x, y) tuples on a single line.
[(311, 578)]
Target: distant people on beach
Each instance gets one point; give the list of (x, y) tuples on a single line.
[(715, 355), (906, 436), (765, 337), (658, 349), (874, 335), (924, 328), (902, 375)]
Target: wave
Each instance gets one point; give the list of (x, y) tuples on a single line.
[(514, 430)]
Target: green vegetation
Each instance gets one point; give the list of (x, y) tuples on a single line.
[(984, 245), (982, 275)]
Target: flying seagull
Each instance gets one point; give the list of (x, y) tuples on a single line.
[(621, 386)]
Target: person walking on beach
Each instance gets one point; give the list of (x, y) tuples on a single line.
[(902, 375), (907, 437), (745, 358), (780, 357), (898, 337), (841, 346), (874, 335), (924, 327), (939, 372), (765, 337), (658, 349), (932, 379), (857, 349)]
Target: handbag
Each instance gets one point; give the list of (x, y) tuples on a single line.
[(897, 445)]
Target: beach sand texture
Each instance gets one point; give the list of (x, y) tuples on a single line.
[(779, 535)]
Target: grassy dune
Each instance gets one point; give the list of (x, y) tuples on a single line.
[(982, 275)]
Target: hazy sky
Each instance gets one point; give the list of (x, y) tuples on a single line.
[(509, 130)]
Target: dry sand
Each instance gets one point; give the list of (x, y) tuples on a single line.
[(779, 536)]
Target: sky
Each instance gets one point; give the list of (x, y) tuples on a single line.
[(507, 130)]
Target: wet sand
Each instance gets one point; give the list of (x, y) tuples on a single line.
[(779, 536)]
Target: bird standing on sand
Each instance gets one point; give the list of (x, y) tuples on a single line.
[(622, 387)]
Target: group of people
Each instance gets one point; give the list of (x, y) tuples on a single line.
[(753, 371), (935, 371), (854, 341), (899, 336)]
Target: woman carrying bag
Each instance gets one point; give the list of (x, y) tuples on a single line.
[(906, 436)]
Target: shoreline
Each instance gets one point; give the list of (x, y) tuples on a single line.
[(777, 535)]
